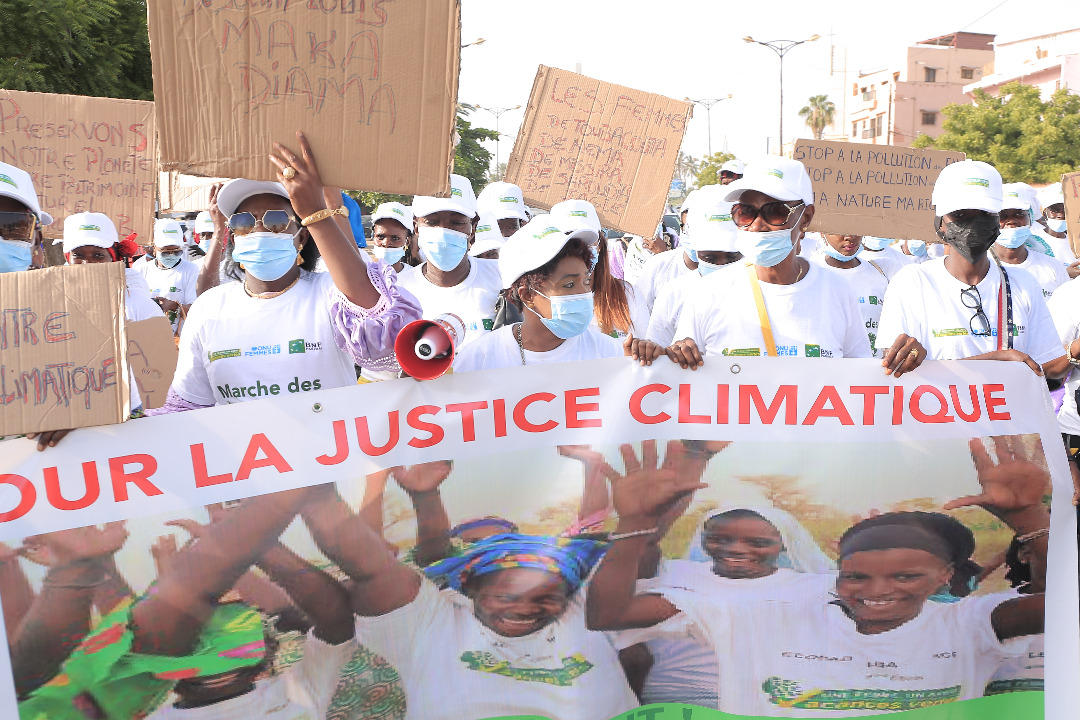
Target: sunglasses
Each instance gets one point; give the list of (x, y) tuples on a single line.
[(776, 213), (275, 221), (979, 325), (729, 174), (18, 226)]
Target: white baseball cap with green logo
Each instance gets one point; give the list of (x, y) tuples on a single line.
[(503, 200), (462, 199), (17, 184), (394, 211), (578, 218), (531, 247), (967, 185), (168, 233), (88, 228)]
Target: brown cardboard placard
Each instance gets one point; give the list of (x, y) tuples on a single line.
[(1070, 188), (373, 85), (151, 353), (85, 154), (877, 190), (62, 346), (590, 140)]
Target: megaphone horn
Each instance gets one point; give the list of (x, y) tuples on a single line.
[(425, 348)]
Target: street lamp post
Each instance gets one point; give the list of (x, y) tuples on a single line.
[(707, 104), (497, 112), (781, 48)]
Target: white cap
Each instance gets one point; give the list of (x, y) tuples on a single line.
[(503, 200), (394, 211), (735, 166), (711, 227), (17, 183), (168, 232), (689, 199), (488, 235), (1020, 196), (87, 228), (203, 223), (461, 200), (778, 177), (237, 191), (577, 218), (1051, 195), (967, 185), (530, 247)]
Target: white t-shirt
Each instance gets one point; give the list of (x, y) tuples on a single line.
[(499, 349), (1061, 248), (1023, 670), (137, 306), (472, 300), (454, 668), (924, 302), (800, 655), (235, 348), (810, 245), (635, 260), (869, 284), (1049, 272), (639, 312), (176, 283), (1064, 306), (659, 271), (817, 316), (668, 308), (302, 692), (890, 251)]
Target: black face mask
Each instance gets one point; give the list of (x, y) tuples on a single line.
[(970, 238)]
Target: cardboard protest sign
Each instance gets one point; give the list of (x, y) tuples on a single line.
[(62, 342), (372, 85), (151, 354), (818, 452), (184, 193), (1070, 188), (86, 154), (590, 140), (876, 190)]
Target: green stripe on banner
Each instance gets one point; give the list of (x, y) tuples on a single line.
[(1010, 706)]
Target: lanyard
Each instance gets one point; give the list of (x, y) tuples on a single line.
[(762, 313), (1005, 310)]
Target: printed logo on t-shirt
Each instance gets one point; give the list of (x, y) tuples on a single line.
[(489, 323), (741, 352), (572, 668), (794, 694), (873, 300), (222, 354), (259, 350), (817, 351), (302, 346), (949, 332), (787, 350)]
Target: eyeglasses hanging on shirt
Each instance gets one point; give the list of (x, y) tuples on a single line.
[(979, 324)]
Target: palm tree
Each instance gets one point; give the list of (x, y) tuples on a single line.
[(819, 114), (686, 166)]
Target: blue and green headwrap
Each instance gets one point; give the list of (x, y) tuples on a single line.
[(570, 558)]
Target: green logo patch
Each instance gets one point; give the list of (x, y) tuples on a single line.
[(509, 199), (741, 352), (222, 354), (296, 346), (720, 218), (455, 191), (489, 323), (544, 233), (949, 332), (978, 182), (8, 180), (775, 173), (91, 228), (579, 213), (813, 351), (483, 228)]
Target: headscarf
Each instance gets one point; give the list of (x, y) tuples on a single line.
[(570, 558), (801, 552), (487, 521)]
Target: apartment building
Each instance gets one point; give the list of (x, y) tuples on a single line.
[(1050, 62)]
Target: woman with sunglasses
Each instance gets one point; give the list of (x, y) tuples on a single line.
[(281, 328), (777, 304), (965, 305)]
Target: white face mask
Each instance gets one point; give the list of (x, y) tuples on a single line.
[(1057, 226), (389, 255), (443, 248)]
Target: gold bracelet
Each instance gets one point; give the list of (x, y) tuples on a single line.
[(323, 214), (1068, 354)]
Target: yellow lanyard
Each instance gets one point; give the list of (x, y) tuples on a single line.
[(762, 313)]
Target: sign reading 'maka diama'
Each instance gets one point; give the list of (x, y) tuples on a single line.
[(62, 348), (877, 190), (373, 85), (85, 154), (614, 146)]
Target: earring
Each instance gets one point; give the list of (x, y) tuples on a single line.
[(299, 260), (242, 266)]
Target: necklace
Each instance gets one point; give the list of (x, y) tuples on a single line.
[(799, 263), (521, 347), (273, 293)]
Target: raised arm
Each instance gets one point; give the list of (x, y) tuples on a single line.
[(381, 583), (321, 597), (641, 498), (210, 271), (15, 591), (422, 483), (1013, 490)]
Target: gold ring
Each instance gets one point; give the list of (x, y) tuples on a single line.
[(289, 172), (913, 352)]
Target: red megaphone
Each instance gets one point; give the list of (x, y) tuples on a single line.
[(425, 348)]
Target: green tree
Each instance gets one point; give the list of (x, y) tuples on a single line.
[(1025, 138), (472, 159), (77, 47), (819, 114), (708, 170)]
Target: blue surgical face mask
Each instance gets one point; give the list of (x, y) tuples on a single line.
[(443, 248), (917, 247), (836, 254), (266, 256), (570, 314), (15, 255), (875, 243), (704, 268), (389, 255), (1057, 226), (169, 260), (766, 248), (686, 243), (1013, 237)]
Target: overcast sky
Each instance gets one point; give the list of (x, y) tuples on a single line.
[(694, 48)]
